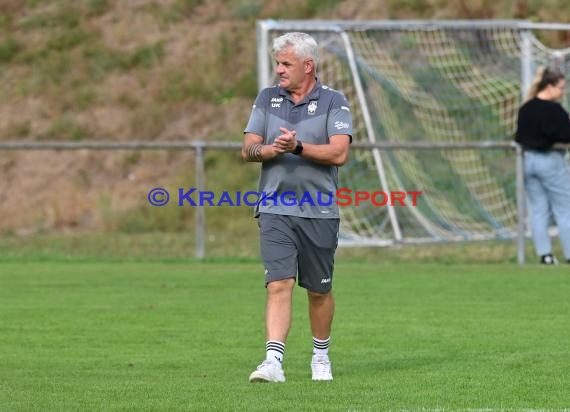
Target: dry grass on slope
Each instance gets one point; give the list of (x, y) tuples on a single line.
[(147, 70)]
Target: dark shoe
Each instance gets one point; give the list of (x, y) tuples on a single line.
[(548, 260)]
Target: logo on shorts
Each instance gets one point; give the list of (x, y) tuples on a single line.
[(325, 280)]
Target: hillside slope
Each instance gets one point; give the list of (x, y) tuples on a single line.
[(147, 70)]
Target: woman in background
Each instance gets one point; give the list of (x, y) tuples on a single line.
[(542, 122)]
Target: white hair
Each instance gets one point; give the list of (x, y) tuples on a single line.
[(304, 45)]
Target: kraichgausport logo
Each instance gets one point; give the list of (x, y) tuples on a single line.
[(341, 197)]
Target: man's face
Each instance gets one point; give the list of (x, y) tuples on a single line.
[(290, 69)]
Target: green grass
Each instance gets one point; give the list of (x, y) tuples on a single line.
[(236, 238), (185, 335)]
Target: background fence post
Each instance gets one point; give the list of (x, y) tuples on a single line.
[(521, 209), (200, 212)]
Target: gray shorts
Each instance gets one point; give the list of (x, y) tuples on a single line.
[(292, 246)]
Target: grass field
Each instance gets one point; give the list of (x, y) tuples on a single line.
[(184, 336)]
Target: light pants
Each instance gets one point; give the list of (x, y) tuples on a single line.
[(547, 184)]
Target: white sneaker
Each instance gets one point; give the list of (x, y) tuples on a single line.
[(321, 368), (268, 371)]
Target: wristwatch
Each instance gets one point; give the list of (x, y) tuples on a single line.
[(299, 148)]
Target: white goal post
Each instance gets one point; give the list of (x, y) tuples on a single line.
[(449, 91)]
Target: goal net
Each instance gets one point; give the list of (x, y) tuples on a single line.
[(440, 99)]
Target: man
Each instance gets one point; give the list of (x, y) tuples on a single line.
[(301, 131)]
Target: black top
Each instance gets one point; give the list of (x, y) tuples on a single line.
[(541, 123)]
